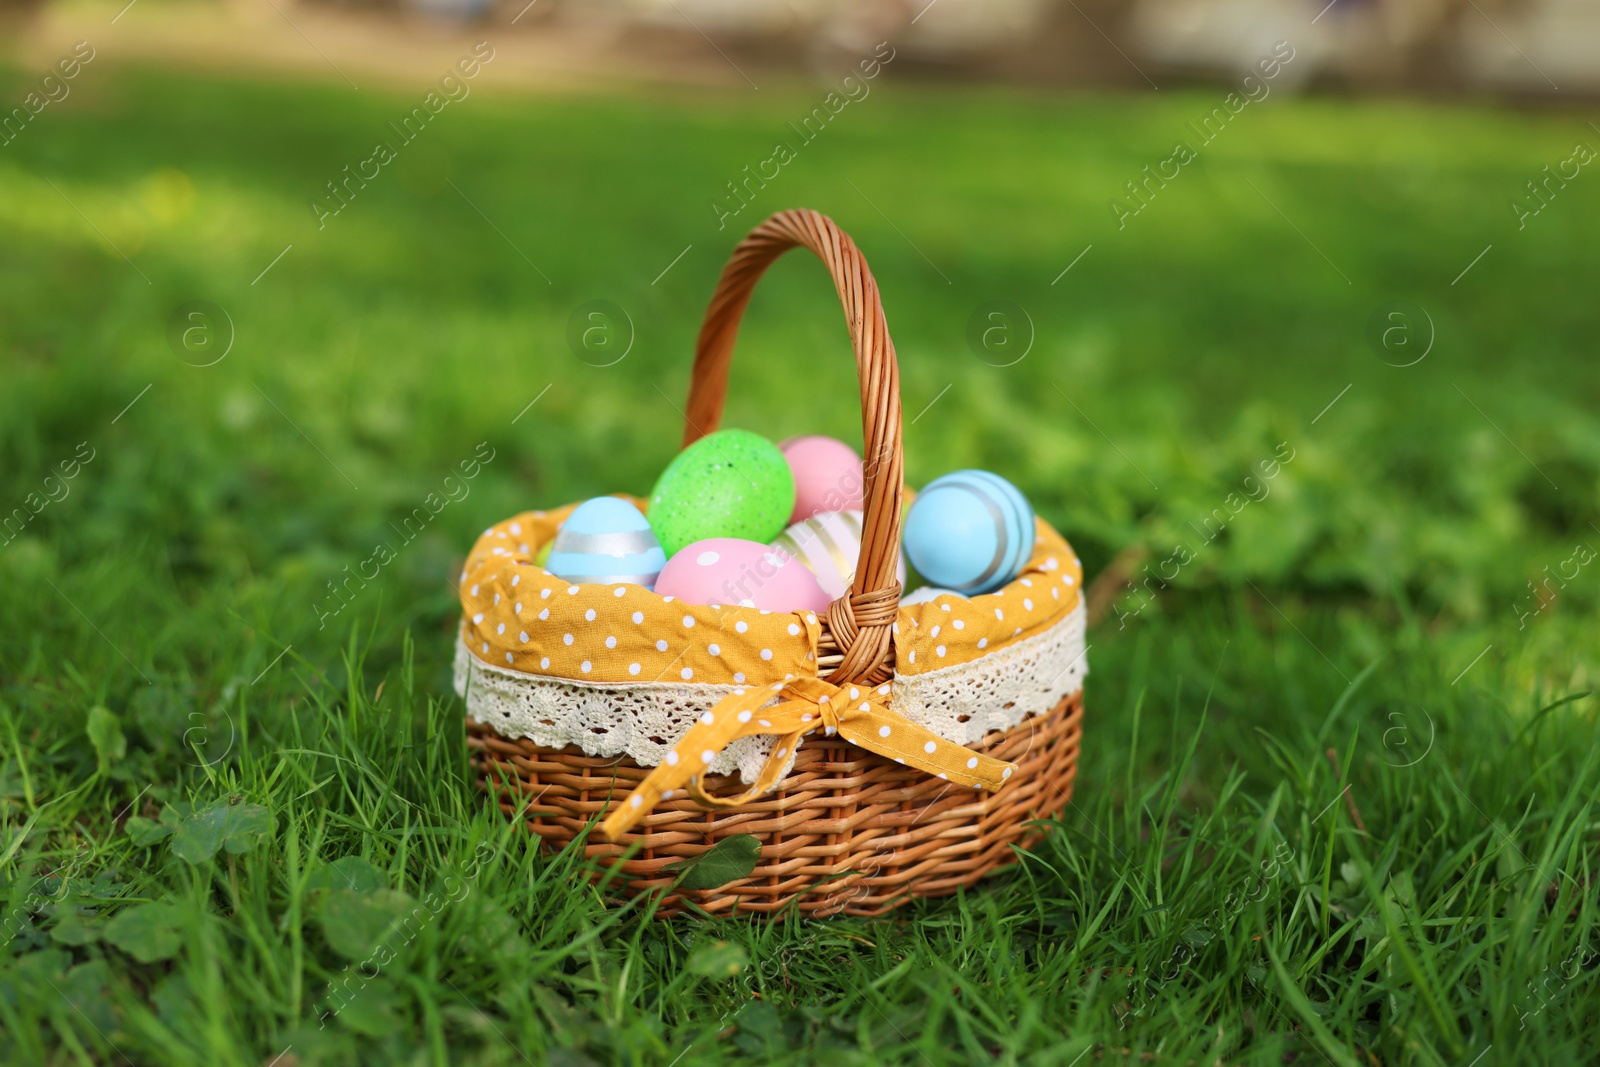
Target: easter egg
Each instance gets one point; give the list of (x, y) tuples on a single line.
[(970, 531), (542, 557), (829, 544), (729, 570), (732, 483), (606, 541), (827, 476), (925, 593)]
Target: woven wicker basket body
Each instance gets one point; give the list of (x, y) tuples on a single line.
[(847, 830)]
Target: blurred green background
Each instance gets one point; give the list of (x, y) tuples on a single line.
[(1172, 357), (1399, 561)]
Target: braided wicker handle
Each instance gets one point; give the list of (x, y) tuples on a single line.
[(860, 621)]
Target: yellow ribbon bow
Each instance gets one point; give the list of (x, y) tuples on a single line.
[(857, 712)]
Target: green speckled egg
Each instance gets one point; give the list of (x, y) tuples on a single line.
[(732, 483)]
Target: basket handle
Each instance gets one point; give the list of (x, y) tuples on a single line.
[(861, 620)]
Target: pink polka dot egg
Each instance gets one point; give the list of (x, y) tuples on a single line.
[(730, 570)]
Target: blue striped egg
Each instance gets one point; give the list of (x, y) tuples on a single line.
[(606, 541), (969, 532)]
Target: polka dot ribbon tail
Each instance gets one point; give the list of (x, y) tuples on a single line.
[(858, 713)]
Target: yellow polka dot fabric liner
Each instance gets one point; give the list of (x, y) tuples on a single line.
[(951, 630), (517, 615), (520, 616)]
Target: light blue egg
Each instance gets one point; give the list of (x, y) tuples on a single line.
[(606, 541), (970, 532)]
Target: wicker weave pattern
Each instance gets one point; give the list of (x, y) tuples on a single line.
[(847, 831)]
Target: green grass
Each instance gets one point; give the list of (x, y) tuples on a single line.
[(1209, 896)]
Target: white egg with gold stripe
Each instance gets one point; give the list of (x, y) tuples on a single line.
[(829, 545)]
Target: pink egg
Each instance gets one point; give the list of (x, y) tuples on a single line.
[(728, 570), (827, 476)]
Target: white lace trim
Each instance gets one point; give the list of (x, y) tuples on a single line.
[(645, 720)]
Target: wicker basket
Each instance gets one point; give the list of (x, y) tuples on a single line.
[(847, 830)]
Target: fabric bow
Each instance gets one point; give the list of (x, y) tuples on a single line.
[(859, 713)]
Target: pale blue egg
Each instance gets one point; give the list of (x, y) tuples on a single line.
[(970, 532), (606, 541)]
